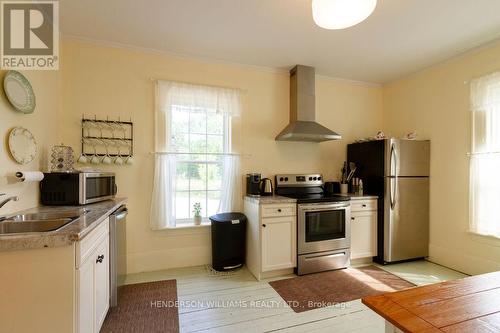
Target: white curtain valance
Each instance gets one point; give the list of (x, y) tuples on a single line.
[(485, 91), (222, 100), (485, 107), (169, 93)]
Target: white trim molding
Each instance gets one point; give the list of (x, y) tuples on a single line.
[(464, 262)]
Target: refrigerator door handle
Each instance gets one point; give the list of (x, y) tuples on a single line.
[(395, 199), (394, 171), (394, 161), (392, 196)]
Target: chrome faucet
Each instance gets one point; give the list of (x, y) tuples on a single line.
[(4, 202)]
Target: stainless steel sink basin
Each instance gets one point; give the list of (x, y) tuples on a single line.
[(11, 227), (53, 215), (39, 222), (42, 216)]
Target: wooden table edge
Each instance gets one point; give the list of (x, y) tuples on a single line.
[(368, 302)]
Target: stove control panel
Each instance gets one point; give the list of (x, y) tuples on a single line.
[(299, 180)]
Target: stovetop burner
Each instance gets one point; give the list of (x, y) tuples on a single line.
[(306, 188), (319, 197)]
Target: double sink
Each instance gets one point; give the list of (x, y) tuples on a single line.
[(39, 222)]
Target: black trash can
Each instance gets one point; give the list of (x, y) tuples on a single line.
[(228, 240)]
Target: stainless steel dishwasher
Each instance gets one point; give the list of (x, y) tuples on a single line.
[(117, 252)]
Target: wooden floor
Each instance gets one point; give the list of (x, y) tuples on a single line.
[(238, 303)]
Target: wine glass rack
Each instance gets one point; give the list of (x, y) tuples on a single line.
[(107, 138)]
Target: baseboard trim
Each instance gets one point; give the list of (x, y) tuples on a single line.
[(361, 261), (465, 263), (197, 256), (278, 272), (170, 258)]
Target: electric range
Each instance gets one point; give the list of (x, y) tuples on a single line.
[(323, 223)]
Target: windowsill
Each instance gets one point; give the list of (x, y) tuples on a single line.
[(485, 239), (189, 224)]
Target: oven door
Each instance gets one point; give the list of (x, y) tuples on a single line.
[(323, 227), (96, 187)]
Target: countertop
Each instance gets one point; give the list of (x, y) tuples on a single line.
[(471, 304), (354, 196), (68, 234), (277, 199), (270, 199)]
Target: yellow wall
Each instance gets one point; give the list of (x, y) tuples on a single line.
[(42, 123), (115, 82), (435, 103)]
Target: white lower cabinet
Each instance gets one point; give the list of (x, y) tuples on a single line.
[(62, 289), (271, 238), (363, 228), (101, 284), (278, 243), (93, 280), (85, 286), (272, 234)]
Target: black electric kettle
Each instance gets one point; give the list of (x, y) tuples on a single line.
[(266, 186)]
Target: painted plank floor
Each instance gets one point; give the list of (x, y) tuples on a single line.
[(238, 303)]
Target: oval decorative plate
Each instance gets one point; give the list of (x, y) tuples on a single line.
[(19, 92), (22, 145)]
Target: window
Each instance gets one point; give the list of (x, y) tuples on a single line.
[(194, 153), (485, 156), (201, 136)]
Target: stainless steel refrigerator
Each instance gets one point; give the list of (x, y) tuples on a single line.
[(397, 171)]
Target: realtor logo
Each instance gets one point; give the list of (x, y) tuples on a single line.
[(29, 35)]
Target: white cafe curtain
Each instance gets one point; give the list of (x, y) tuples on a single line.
[(230, 200)]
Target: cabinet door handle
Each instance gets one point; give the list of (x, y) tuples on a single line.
[(100, 259), (352, 218), (363, 205), (263, 226), (279, 210)]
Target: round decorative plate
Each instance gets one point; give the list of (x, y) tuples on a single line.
[(19, 92), (22, 145)]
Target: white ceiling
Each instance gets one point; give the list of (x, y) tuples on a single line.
[(401, 37)]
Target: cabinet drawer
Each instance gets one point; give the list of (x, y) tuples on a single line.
[(283, 219), (277, 210), (363, 205), (86, 246)]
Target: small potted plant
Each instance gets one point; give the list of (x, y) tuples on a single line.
[(197, 213)]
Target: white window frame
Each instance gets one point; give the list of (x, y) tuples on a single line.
[(485, 148), (226, 148)]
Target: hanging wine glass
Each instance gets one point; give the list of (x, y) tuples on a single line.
[(119, 159), (106, 159), (83, 157), (95, 158)]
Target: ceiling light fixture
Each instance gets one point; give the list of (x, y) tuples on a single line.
[(340, 14)]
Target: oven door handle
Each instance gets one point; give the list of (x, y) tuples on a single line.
[(324, 208)]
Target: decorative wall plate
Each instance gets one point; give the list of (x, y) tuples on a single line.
[(22, 145), (19, 92)]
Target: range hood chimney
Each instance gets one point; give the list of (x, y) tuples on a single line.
[(303, 125)]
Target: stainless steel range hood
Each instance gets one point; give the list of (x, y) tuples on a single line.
[(303, 125)]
